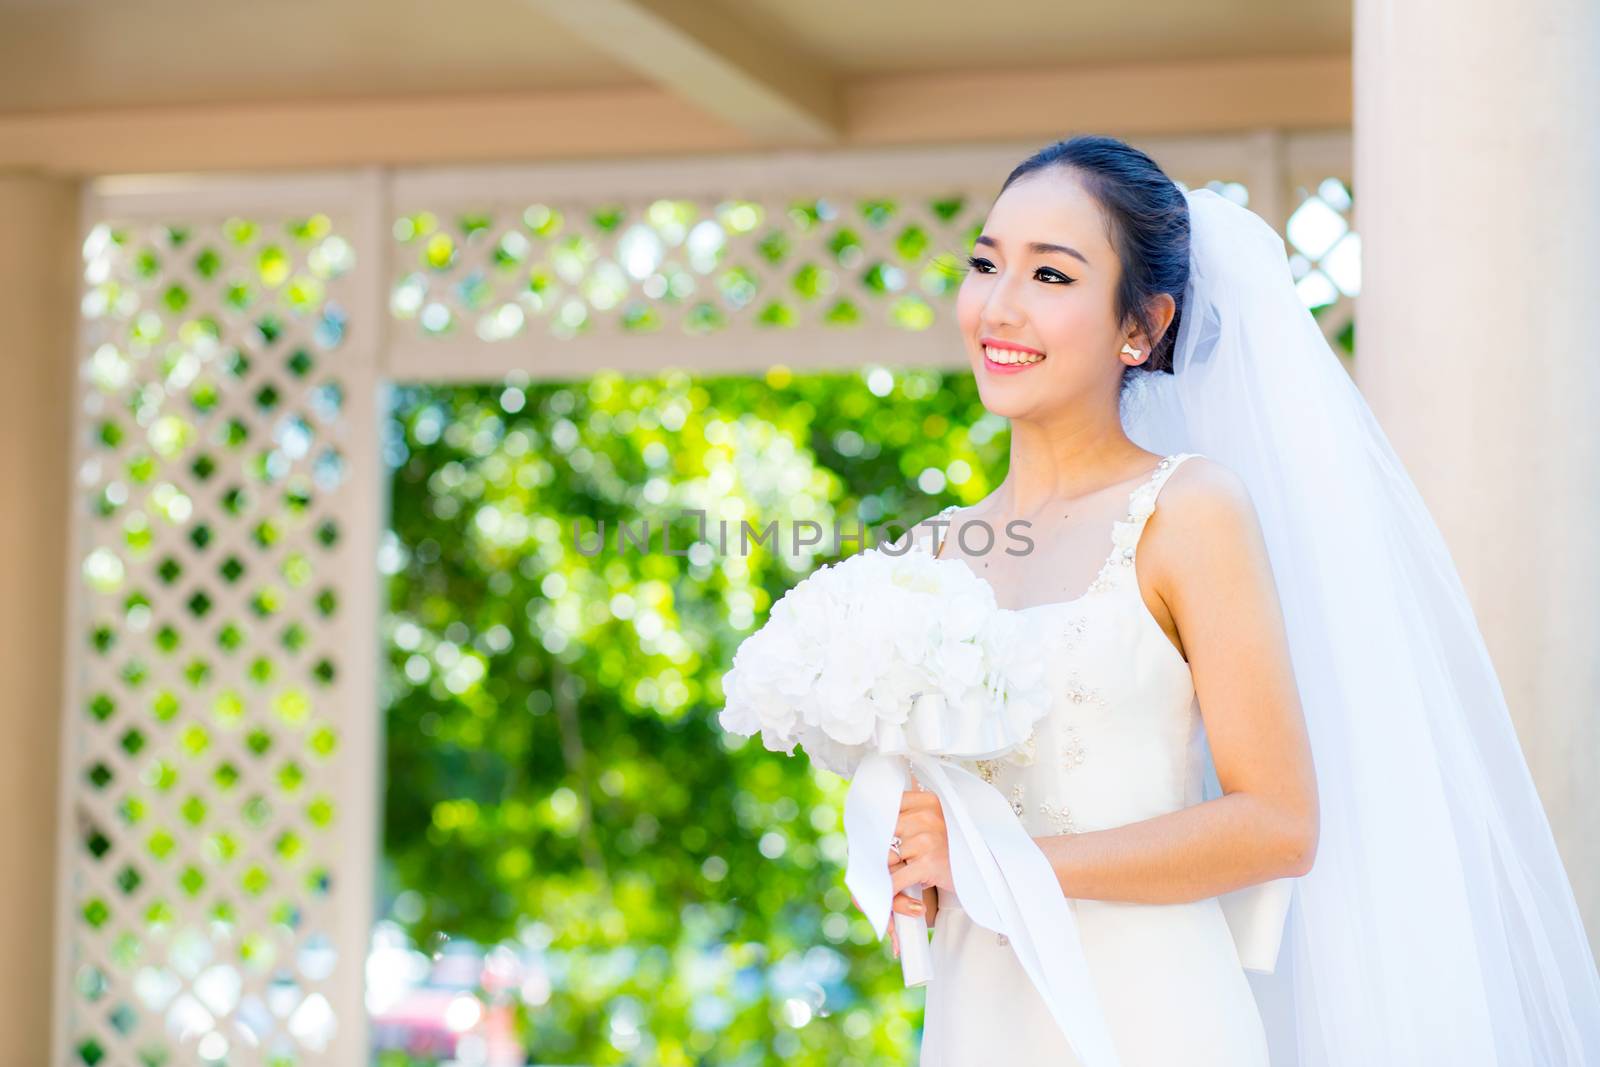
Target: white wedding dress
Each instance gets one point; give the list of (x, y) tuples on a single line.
[(1123, 742)]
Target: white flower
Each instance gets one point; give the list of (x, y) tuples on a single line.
[(1124, 535), (840, 662), (1143, 502)]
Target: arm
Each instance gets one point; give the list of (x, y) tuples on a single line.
[(1204, 550)]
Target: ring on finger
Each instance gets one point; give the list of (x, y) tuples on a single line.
[(894, 844)]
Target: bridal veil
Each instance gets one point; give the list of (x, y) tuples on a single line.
[(1437, 925)]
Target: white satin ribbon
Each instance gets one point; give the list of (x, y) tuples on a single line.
[(1002, 878), (1256, 916)]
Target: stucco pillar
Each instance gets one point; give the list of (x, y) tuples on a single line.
[(1477, 189), (38, 218)]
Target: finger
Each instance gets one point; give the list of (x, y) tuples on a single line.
[(910, 833), (908, 904), (913, 824), (909, 829), (916, 801), (912, 849), (909, 875)]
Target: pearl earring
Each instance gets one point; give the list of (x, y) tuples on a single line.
[(1129, 350)]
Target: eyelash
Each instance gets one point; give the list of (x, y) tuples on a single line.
[(973, 261)]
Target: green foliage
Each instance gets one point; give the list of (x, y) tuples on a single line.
[(555, 772)]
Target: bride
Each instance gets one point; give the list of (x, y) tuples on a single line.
[(1278, 787)]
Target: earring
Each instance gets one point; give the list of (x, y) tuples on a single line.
[(1129, 350)]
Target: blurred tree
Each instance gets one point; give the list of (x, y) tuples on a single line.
[(554, 762)]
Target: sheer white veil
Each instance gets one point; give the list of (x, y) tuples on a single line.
[(1437, 925)]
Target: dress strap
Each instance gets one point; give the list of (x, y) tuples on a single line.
[(1142, 501), (1125, 532), (937, 537)]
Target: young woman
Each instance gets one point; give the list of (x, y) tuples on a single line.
[(1288, 618)]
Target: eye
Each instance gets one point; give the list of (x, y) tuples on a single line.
[(1050, 274)]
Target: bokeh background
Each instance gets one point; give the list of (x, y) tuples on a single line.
[(329, 329)]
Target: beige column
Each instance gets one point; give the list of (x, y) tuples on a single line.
[(1477, 187), (38, 221)]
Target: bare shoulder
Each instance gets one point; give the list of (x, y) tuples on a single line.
[(1208, 492), (1204, 514)]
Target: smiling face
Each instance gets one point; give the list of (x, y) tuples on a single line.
[(1037, 307)]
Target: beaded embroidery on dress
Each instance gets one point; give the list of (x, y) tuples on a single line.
[(1123, 742)]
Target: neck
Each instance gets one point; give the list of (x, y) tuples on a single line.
[(1057, 464)]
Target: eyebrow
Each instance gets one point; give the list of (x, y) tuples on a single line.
[(1037, 246)]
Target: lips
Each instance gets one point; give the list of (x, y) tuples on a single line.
[(1009, 360)]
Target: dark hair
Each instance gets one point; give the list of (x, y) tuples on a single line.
[(1148, 221)]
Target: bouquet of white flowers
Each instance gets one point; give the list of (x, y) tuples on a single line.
[(887, 663), (886, 658), (846, 653)]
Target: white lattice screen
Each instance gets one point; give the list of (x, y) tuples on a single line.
[(221, 743), (698, 267), (218, 857), (802, 260), (1325, 257)]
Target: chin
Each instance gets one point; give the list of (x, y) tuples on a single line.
[(1006, 402)]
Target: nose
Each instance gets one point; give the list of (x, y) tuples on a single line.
[(1001, 310)]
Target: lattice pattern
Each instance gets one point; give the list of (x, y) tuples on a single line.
[(1326, 259), (695, 267), (692, 266), (204, 864)]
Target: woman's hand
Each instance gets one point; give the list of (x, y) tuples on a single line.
[(908, 905), (924, 842), (924, 857)]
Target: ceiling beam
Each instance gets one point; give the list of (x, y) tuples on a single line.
[(1135, 100), (1123, 99), (695, 49)]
